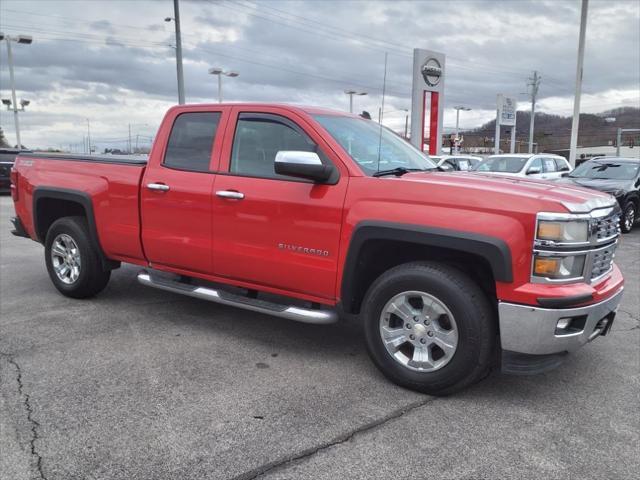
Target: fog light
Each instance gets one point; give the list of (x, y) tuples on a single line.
[(571, 325)]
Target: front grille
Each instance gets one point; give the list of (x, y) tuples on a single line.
[(602, 260), (607, 227), (603, 230)]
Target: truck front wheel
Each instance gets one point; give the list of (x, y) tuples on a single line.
[(72, 259), (429, 327)]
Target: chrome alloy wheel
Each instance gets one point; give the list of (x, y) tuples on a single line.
[(65, 257), (418, 331), (629, 217)]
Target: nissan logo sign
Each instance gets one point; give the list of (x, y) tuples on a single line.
[(431, 72)]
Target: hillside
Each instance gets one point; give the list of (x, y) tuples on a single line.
[(553, 132)]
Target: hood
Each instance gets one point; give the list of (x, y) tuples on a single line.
[(596, 183), (497, 191)]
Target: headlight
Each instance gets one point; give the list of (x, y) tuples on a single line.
[(616, 193), (573, 231), (558, 267)]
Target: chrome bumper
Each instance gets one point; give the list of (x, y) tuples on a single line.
[(532, 330)]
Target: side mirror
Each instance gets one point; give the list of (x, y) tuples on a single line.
[(302, 165), (534, 170)]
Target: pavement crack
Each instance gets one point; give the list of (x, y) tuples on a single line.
[(634, 316), (340, 439), (29, 409)]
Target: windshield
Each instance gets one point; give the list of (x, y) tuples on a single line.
[(362, 140), (606, 170), (502, 164)]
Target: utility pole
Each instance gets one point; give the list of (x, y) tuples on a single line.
[(176, 21), (129, 138), (534, 83), (573, 146)]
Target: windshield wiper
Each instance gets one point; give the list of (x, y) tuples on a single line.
[(398, 171)]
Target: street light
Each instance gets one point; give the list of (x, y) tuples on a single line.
[(351, 93), (220, 72), (458, 108), (25, 40), (23, 103)]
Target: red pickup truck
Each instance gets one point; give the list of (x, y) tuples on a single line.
[(315, 215)]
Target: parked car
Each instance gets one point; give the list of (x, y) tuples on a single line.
[(458, 163), (542, 166), (312, 215), (617, 176), (7, 158)]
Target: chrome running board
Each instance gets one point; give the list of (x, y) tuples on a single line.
[(305, 315)]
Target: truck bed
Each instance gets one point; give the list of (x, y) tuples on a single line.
[(109, 186)]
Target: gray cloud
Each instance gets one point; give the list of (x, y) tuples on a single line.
[(310, 51)]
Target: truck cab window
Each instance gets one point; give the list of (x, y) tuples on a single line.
[(259, 137), (191, 140)]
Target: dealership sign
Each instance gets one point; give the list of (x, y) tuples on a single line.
[(431, 72), (507, 110), (427, 99)]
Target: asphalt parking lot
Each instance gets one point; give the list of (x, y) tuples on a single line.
[(142, 384)]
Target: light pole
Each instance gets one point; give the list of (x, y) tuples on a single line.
[(25, 40), (351, 93), (220, 72), (458, 108), (176, 21)]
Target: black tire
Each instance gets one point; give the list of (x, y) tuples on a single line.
[(629, 209), (474, 316), (92, 278)]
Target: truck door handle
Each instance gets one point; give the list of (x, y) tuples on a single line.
[(160, 187), (230, 194)]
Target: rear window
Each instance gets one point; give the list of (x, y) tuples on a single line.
[(191, 140), (606, 170)]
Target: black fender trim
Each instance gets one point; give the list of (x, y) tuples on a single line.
[(564, 302), (77, 196), (494, 250)]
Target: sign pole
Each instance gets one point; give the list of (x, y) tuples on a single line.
[(496, 149)]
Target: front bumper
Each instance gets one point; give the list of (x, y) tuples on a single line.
[(526, 329)]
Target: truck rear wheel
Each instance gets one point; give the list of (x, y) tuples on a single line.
[(72, 259), (429, 327)]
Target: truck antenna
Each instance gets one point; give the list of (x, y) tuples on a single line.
[(384, 88)]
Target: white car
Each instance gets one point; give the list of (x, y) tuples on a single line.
[(459, 163), (544, 166)]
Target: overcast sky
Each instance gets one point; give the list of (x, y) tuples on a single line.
[(113, 61)]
